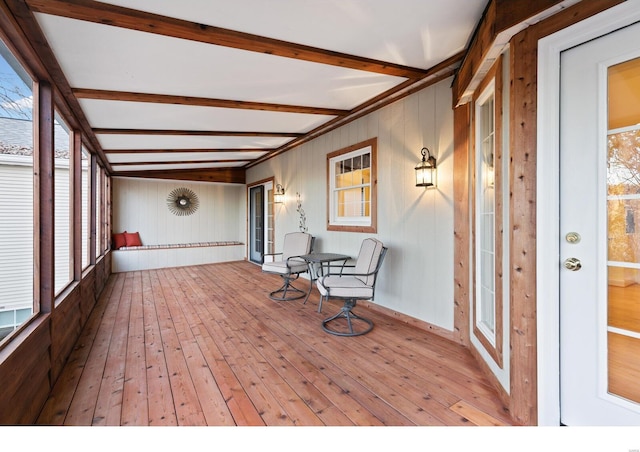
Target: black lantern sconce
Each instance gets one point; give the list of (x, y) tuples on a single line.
[(426, 170), (278, 194)]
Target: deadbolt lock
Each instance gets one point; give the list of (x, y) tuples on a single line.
[(572, 264), (572, 237)]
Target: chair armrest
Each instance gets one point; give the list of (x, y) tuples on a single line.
[(300, 259), (270, 254)]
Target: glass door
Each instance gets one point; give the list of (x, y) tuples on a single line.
[(599, 240), (256, 223)]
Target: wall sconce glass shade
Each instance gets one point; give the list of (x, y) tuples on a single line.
[(426, 170), (278, 194)]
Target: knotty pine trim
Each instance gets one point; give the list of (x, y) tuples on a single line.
[(461, 222), (117, 16), (522, 233)]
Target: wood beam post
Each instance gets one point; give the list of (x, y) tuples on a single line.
[(76, 203), (461, 231), (44, 272)]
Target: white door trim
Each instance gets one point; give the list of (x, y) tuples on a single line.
[(548, 195)]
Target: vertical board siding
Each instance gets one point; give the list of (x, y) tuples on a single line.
[(140, 206), (415, 223)]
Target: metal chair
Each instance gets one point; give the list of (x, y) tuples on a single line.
[(352, 285), (289, 265)]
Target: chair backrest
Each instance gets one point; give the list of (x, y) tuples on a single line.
[(369, 259), (296, 244)]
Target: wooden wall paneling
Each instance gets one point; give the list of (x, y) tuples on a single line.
[(90, 287), (461, 231), (66, 326), (24, 373)]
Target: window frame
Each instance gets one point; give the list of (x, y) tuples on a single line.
[(353, 224), (492, 341)]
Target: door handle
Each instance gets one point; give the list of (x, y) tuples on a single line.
[(572, 264)]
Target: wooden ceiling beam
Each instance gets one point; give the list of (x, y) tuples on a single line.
[(172, 151), (212, 133), (178, 162), (225, 175), (83, 93), (112, 15)]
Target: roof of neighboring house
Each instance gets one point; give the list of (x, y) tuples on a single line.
[(16, 138)]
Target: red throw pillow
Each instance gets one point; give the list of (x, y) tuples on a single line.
[(132, 239), (119, 241)]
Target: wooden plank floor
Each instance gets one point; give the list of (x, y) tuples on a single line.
[(204, 345)]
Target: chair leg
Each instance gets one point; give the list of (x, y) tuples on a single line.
[(351, 318), (320, 303), (287, 286)]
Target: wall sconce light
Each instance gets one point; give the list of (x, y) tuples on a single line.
[(426, 170), (278, 195)]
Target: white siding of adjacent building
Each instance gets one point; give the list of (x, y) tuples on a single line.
[(16, 232)]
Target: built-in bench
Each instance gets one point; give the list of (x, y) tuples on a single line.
[(147, 257)]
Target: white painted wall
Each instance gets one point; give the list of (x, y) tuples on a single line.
[(140, 205), (415, 223)]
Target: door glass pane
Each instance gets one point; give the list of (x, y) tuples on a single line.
[(623, 210)]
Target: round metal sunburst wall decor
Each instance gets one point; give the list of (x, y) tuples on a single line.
[(182, 201)]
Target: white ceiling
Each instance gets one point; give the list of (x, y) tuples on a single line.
[(416, 34)]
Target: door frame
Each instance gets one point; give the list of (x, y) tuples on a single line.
[(548, 195), (264, 183)]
